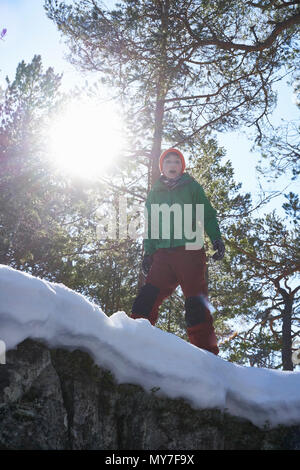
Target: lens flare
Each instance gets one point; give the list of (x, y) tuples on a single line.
[(86, 138)]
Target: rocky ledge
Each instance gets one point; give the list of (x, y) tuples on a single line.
[(57, 399)]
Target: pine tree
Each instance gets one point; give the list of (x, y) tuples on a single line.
[(48, 223), (182, 67), (24, 188), (268, 252)]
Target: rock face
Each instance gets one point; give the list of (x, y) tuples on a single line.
[(56, 399)]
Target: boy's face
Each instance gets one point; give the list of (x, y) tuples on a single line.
[(172, 165)]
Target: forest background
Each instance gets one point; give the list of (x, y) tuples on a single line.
[(219, 80)]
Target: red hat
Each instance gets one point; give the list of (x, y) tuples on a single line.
[(171, 150)]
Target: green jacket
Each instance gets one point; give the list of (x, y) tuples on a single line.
[(187, 192)]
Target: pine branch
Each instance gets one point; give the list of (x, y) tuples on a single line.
[(258, 46)]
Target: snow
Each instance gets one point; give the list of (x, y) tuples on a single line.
[(137, 352)]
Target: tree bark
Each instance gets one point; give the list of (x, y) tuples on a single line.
[(157, 139), (286, 352), (161, 91)]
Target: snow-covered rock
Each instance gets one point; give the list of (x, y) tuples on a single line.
[(57, 399)]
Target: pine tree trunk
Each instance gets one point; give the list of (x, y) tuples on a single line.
[(161, 91), (157, 139), (286, 352)]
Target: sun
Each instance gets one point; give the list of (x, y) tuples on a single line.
[(86, 138)]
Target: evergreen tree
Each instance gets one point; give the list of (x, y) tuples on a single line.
[(26, 195), (48, 223), (268, 253), (280, 146), (181, 66), (277, 259)]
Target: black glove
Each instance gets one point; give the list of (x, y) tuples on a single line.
[(219, 246), (146, 264)]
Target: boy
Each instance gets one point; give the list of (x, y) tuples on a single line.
[(168, 262)]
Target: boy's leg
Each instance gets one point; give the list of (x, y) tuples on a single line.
[(160, 283), (191, 272)]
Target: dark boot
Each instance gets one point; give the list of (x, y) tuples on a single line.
[(203, 336)]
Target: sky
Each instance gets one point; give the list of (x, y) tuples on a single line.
[(30, 32), (138, 353)]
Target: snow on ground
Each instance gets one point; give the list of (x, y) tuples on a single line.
[(139, 353)]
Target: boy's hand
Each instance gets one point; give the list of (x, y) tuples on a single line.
[(219, 246), (146, 264)]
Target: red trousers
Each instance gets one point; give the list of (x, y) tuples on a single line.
[(187, 268)]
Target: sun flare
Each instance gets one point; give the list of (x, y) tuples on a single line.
[(86, 138)]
